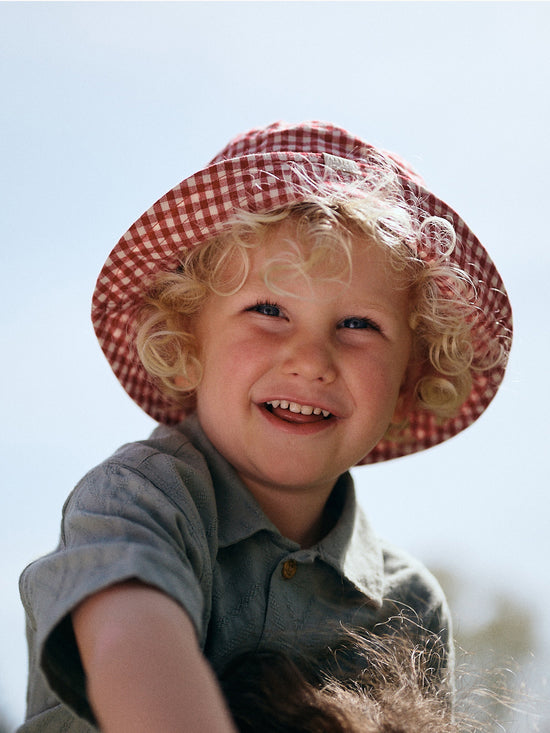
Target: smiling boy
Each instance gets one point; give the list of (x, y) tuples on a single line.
[(301, 306)]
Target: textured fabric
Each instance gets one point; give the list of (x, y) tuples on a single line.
[(259, 171), (171, 512)]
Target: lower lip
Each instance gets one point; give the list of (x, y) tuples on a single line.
[(297, 428)]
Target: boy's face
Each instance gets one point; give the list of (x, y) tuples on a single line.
[(298, 388)]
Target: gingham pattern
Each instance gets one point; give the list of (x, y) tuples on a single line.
[(262, 170)]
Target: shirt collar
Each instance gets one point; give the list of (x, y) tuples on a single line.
[(239, 514), (351, 547)]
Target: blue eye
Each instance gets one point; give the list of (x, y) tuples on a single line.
[(356, 322), (267, 309)]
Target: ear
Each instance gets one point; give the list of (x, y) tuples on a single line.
[(182, 382), (407, 393), (189, 381)]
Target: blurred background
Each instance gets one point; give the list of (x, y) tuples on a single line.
[(105, 106)]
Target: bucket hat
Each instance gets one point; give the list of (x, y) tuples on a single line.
[(260, 171)]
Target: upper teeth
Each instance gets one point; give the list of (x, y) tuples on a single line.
[(295, 407)]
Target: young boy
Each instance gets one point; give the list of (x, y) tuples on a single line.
[(301, 306)]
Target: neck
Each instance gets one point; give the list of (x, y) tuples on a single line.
[(299, 515)]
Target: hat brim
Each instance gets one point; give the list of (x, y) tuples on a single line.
[(203, 206)]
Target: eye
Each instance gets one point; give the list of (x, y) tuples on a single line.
[(265, 308), (356, 322)]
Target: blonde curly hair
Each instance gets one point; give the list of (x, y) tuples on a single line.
[(443, 297)]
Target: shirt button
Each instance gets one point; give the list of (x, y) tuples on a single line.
[(289, 568)]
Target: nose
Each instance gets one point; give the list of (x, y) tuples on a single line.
[(311, 358)]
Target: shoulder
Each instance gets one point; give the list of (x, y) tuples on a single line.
[(408, 579), (163, 473), (381, 569), (416, 607), (168, 454), (416, 604)]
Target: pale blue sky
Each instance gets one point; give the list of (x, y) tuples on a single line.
[(105, 106)]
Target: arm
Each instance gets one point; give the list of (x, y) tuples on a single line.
[(145, 672)]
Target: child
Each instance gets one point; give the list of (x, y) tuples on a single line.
[(300, 306)]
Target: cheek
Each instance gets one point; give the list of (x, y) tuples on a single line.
[(379, 382), (229, 366), (249, 350)]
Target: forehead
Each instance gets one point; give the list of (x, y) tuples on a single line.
[(333, 263)]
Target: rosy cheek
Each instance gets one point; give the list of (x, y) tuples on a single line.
[(253, 354), (258, 343)]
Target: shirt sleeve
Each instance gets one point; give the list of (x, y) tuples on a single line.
[(117, 525)]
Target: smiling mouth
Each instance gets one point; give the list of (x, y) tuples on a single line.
[(295, 412)]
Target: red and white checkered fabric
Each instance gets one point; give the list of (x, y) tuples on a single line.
[(259, 171)]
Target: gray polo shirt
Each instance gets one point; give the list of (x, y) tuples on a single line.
[(171, 512)]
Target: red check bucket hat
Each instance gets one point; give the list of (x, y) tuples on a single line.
[(260, 171)]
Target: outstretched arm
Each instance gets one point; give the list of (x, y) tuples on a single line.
[(144, 669)]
